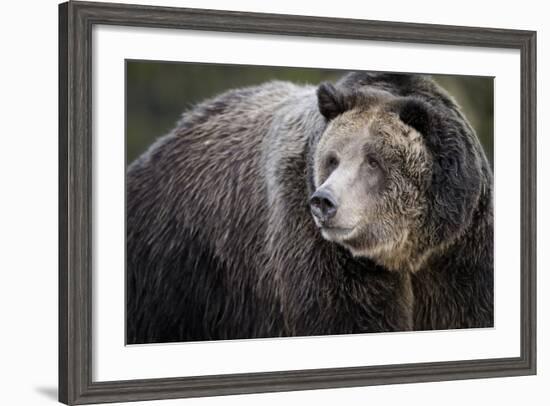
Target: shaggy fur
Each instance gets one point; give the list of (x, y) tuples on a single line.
[(221, 243), (220, 240)]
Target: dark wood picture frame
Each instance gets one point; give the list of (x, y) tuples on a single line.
[(76, 20)]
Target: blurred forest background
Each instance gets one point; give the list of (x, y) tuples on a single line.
[(157, 93)]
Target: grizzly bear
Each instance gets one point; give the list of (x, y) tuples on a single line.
[(285, 210)]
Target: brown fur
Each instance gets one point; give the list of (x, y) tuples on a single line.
[(221, 244)]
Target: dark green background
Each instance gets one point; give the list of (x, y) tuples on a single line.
[(158, 92)]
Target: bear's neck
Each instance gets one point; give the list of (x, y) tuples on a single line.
[(454, 287), (474, 246)]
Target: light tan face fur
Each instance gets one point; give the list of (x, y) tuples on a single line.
[(377, 169)]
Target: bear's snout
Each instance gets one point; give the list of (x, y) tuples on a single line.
[(323, 205)]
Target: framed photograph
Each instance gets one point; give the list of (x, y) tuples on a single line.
[(258, 202)]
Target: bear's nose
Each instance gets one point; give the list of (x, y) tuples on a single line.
[(323, 205)]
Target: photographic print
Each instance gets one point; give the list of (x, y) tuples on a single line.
[(287, 221), (267, 202)]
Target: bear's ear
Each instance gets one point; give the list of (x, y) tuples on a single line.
[(415, 113), (331, 101)]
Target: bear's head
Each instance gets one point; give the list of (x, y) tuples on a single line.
[(395, 177)]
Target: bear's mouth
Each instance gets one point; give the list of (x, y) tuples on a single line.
[(336, 233)]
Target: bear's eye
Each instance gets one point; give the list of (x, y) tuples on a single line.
[(332, 162), (372, 162)]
